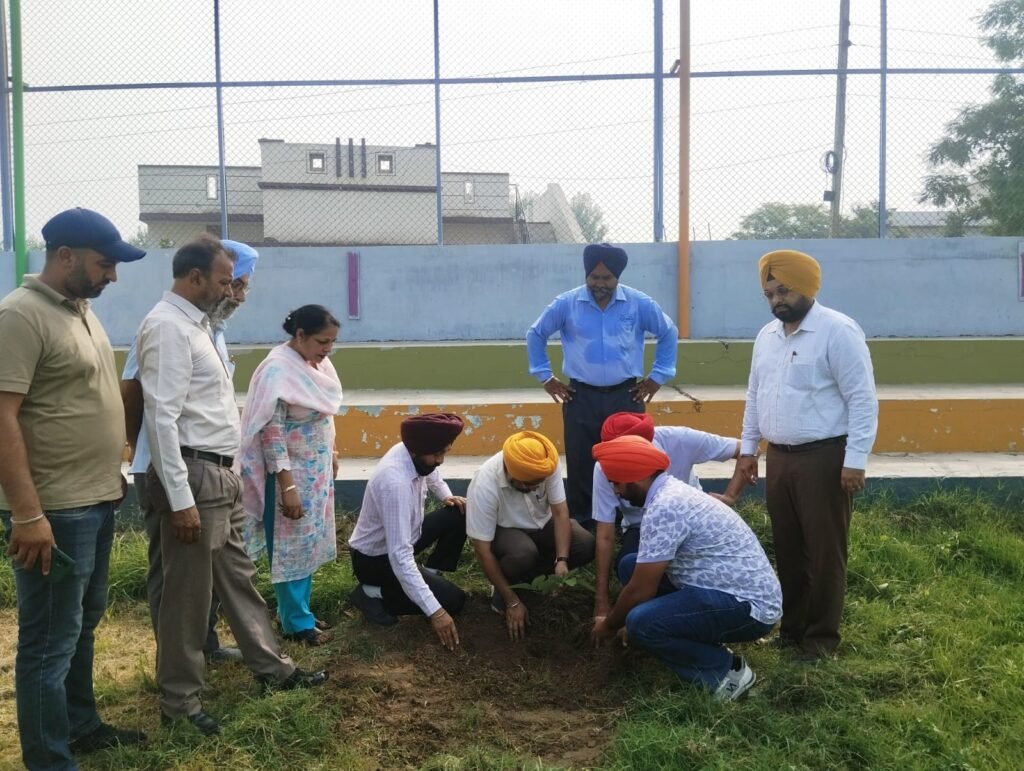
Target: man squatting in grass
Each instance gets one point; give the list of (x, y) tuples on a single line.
[(701, 578), (519, 522), (685, 448), (392, 529)]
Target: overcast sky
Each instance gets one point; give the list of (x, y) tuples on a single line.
[(753, 139)]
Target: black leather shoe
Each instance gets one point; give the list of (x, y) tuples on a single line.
[(104, 737), (205, 723), (300, 678), (372, 608)]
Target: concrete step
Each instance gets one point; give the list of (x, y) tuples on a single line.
[(914, 419)]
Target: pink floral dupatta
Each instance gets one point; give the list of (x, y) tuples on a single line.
[(283, 376)]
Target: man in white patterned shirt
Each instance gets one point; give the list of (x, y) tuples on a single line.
[(685, 448), (194, 433), (812, 396), (701, 578), (392, 529)]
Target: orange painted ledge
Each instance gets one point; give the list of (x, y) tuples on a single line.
[(909, 420)]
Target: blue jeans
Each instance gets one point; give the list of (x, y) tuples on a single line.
[(685, 628), (56, 623)]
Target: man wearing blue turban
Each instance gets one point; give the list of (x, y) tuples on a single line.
[(245, 258), (602, 325)]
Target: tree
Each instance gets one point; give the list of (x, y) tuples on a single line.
[(979, 163), (783, 221), (590, 218)]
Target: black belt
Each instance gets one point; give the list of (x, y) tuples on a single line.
[(211, 457), (808, 445), (603, 389)]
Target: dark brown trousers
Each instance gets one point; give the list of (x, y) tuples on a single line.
[(810, 516)]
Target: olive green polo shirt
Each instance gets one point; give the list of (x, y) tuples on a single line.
[(57, 354)]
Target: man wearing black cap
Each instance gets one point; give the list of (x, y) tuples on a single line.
[(60, 480), (392, 529), (602, 325)]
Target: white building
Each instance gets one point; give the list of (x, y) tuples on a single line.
[(347, 194)]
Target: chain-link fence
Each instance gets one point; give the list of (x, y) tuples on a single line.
[(538, 125)]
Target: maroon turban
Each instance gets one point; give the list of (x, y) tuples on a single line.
[(430, 433), (627, 424), (629, 459)]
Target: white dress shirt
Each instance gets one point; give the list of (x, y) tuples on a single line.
[(815, 384), (391, 520), (493, 502), (189, 399), (685, 448)]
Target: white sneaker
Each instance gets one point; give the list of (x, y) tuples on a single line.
[(736, 683)]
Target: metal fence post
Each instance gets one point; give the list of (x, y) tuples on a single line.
[(437, 124), (659, 128), (222, 174), (883, 24)]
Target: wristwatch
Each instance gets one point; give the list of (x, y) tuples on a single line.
[(561, 559)]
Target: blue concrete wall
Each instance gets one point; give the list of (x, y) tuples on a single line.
[(894, 288)]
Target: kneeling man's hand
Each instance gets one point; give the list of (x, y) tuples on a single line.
[(601, 631), (457, 501), (516, 619), (444, 628)]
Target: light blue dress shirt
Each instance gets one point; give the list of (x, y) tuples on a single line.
[(141, 459), (603, 347)]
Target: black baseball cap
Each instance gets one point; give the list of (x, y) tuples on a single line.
[(86, 229)]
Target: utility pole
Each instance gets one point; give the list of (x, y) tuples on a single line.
[(838, 141)]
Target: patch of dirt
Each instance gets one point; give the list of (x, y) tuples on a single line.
[(550, 697)]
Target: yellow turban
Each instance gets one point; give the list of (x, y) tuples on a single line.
[(796, 270), (530, 456)]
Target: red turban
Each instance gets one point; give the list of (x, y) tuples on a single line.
[(628, 424), (629, 459), (430, 433)]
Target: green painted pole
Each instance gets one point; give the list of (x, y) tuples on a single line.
[(18, 136)]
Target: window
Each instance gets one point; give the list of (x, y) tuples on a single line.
[(467, 192), (385, 163), (211, 187), (317, 163)]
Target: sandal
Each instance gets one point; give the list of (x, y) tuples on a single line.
[(323, 626), (311, 637)]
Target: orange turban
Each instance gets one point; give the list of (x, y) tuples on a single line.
[(529, 456), (629, 459), (796, 270), (628, 424)]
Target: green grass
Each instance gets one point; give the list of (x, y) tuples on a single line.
[(930, 676)]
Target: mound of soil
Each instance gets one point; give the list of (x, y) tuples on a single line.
[(551, 696)]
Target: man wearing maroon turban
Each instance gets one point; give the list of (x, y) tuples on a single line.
[(602, 325), (685, 447), (392, 529), (701, 578)]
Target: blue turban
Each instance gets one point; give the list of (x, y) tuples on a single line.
[(613, 257), (245, 258)]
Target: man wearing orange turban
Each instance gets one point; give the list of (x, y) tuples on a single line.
[(518, 520), (701, 578), (685, 447), (812, 396), (392, 529)]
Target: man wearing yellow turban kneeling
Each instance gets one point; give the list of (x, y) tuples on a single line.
[(518, 520)]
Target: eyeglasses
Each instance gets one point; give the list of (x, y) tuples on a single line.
[(239, 288)]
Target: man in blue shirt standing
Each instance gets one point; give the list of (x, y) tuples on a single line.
[(602, 326)]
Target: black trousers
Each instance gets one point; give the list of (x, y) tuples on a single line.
[(582, 418), (445, 529)]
